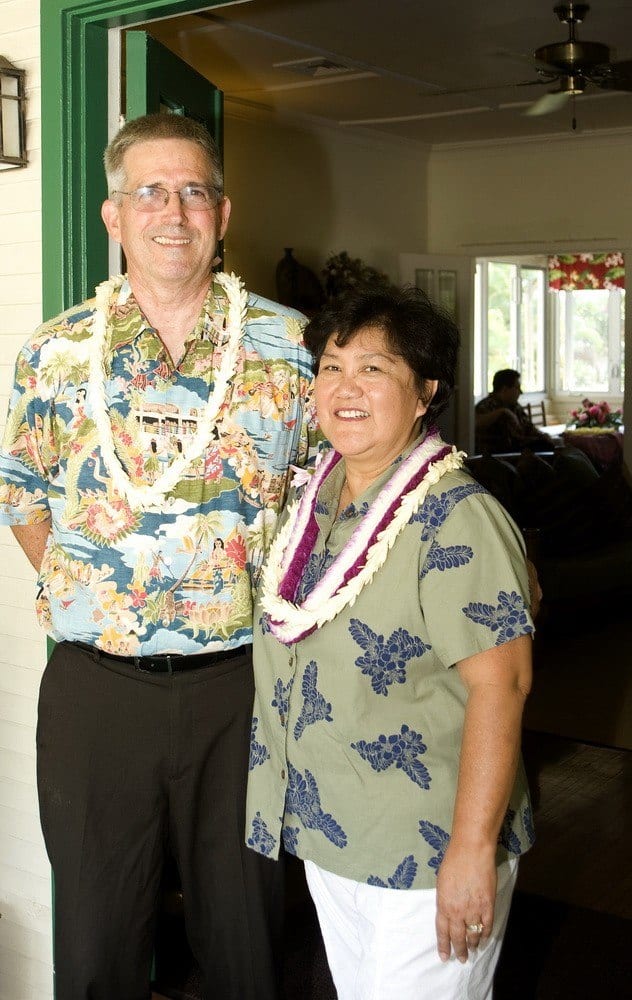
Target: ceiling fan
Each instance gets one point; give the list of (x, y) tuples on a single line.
[(574, 64)]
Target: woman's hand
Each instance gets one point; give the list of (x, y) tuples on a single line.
[(466, 893)]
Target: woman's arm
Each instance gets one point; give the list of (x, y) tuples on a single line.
[(498, 682)]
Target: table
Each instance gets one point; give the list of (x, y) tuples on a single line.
[(604, 448), (554, 430)]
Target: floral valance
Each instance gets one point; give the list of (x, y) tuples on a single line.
[(580, 271)]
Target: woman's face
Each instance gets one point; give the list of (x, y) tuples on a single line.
[(367, 400)]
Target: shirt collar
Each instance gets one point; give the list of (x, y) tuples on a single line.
[(128, 322)]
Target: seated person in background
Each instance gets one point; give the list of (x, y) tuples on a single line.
[(501, 423)]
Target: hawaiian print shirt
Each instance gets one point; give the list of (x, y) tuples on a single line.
[(357, 728), (181, 579)]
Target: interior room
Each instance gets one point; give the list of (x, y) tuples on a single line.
[(418, 139), (503, 189)]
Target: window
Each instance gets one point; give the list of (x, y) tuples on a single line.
[(567, 341), (590, 341), (509, 328)]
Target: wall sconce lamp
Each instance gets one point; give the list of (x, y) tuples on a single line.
[(12, 116)]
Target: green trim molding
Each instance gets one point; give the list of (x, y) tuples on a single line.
[(74, 53)]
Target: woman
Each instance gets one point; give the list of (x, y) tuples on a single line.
[(393, 663)]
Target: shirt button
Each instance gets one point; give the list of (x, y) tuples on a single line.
[(282, 719), (283, 774)]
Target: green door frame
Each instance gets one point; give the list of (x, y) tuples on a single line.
[(74, 115)]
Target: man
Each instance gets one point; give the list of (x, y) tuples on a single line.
[(501, 423), (145, 459)]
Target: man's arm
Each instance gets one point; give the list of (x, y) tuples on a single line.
[(484, 420), (32, 540)]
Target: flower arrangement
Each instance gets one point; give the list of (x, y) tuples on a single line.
[(343, 273), (595, 416)]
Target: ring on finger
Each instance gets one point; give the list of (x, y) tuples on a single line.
[(474, 928)]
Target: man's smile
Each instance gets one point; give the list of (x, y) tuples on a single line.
[(168, 241)]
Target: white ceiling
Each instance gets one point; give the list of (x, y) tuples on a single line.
[(398, 56)]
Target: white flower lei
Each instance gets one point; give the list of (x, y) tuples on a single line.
[(290, 622), (146, 497)]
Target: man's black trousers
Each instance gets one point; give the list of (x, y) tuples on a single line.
[(128, 764)]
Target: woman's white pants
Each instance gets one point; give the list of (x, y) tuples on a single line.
[(381, 943)]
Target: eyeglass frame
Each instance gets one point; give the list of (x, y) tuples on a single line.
[(167, 192)]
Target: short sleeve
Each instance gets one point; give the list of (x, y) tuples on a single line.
[(473, 585), (23, 476)]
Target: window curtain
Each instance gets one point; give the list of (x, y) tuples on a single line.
[(581, 271)]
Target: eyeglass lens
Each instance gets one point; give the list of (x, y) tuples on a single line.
[(152, 198)]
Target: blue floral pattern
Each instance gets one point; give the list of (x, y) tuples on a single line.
[(290, 839), (260, 838), (315, 707), (302, 799), (435, 509), (508, 618), (281, 700), (258, 752), (437, 838), (507, 837), (402, 878), (384, 660), (317, 566), (402, 749), (442, 558)]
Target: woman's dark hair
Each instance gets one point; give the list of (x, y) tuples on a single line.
[(417, 330)]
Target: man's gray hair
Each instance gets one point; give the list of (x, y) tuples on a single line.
[(159, 126)]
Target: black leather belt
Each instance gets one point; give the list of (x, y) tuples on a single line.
[(170, 663)]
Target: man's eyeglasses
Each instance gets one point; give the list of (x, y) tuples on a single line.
[(153, 198)]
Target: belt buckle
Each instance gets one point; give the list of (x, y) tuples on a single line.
[(153, 659)]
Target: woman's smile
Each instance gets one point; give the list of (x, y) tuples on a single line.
[(368, 401)]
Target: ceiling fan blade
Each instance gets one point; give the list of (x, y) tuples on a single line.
[(548, 103), (614, 76)]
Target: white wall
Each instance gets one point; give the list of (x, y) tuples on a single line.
[(25, 892), (320, 191), (570, 192)]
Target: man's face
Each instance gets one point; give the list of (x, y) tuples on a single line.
[(514, 391), (173, 247), (510, 394)]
